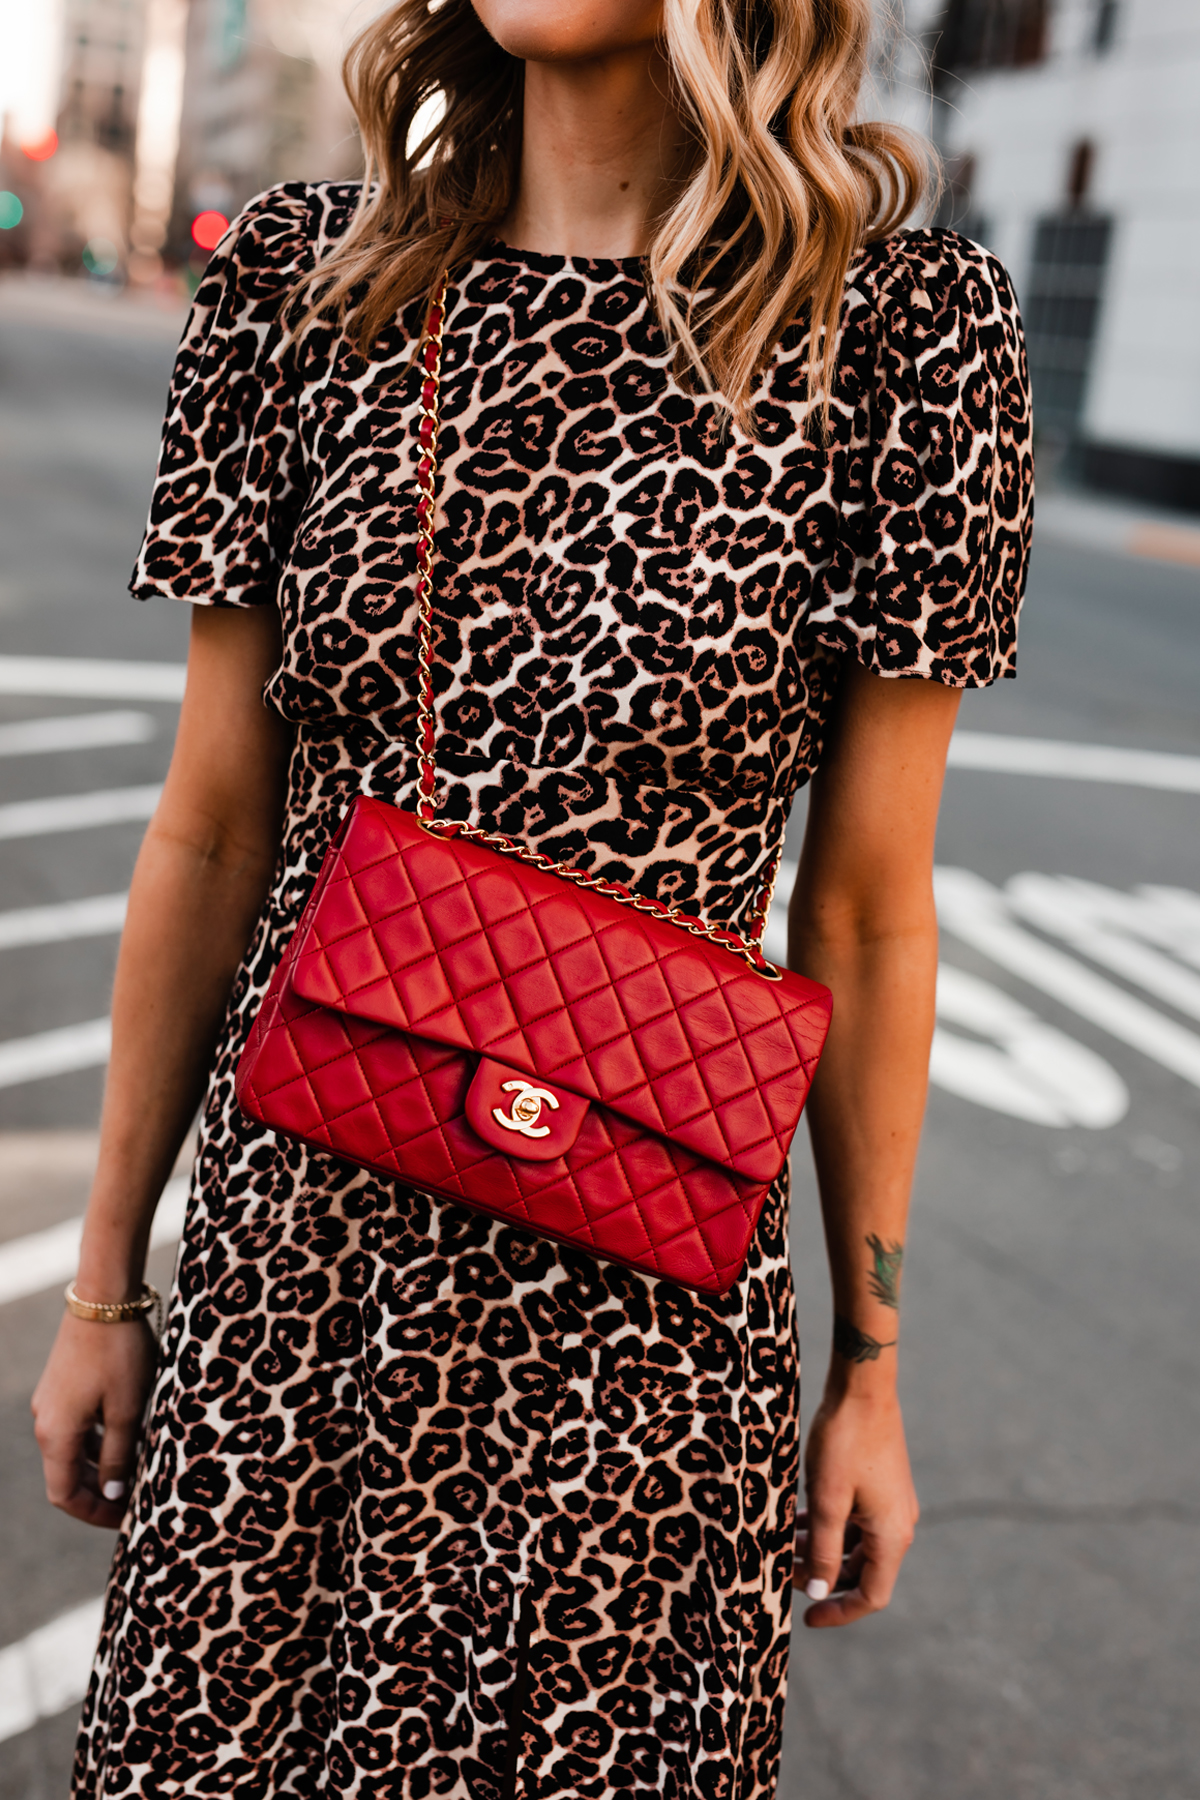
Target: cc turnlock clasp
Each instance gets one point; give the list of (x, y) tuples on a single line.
[(526, 1109), (520, 1116)]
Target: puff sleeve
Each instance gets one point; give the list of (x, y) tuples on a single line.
[(230, 479), (937, 487)]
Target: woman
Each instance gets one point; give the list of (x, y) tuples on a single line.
[(427, 1505)]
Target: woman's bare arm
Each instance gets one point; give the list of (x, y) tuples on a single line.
[(201, 877), (862, 920)]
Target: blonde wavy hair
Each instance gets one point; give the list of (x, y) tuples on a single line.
[(784, 185)]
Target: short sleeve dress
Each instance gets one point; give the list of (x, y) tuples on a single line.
[(428, 1506)]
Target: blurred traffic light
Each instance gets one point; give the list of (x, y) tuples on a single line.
[(41, 149), (208, 228), (11, 211), (100, 256)]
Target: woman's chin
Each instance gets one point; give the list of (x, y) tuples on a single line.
[(567, 31)]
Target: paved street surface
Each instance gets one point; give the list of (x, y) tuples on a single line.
[(1044, 1639)]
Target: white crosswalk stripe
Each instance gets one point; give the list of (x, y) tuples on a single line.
[(775, 936), (92, 678), (58, 924), (1060, 761), (58, 1052), (31, 1264), (77, 812), (48, 1671), (80, 731)]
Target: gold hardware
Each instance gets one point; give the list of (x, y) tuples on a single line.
[(525, 1109), (116, 1312)]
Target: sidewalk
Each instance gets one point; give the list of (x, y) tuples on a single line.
[(1105, 522)]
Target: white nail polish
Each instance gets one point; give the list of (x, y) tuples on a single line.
[(817, 1589), (113, 1490)]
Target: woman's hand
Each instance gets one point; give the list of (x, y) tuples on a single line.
[(862, 1506), (87, 1411)]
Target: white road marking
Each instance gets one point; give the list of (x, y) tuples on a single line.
[(91, 677), (77, 812), (1075, 911), (1074, 762), (1168, 917), (1165, 915), (49, 1670), (58, 1052), (29, 1265), (976, 912), (94, 917), (1029, 1070), (775, 936), (83, 731)]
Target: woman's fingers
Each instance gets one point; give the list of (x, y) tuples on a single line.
[(62, 1448), (118, 1453), (869, 1580), (70, 1473), (87, 1411), (823, 1534)]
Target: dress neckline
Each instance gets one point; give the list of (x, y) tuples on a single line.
[(605, 266)]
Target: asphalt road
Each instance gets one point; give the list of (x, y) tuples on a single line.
[(1044, 1639)]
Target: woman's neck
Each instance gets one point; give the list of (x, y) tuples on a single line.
[(602, 151)]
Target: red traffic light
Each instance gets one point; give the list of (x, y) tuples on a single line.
[(41, 149), (208, 228)]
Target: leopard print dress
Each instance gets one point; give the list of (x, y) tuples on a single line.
[(428, 1506)]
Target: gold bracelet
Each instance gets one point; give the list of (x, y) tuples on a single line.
[(117, 1312)]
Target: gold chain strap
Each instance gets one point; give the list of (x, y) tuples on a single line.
[(430, 361)]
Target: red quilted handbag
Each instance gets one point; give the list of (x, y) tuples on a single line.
[(461, 1014)]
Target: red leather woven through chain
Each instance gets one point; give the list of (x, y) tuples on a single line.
[(433, 956)]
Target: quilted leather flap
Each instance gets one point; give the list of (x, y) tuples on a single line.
[(464, 946)]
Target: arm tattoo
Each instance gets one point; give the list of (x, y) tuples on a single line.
[(854, 1344), (884, 1279)]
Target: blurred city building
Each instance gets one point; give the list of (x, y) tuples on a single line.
[(1071, 135), (74, 179), (165, 110), (262, 102), (1070, 132)]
